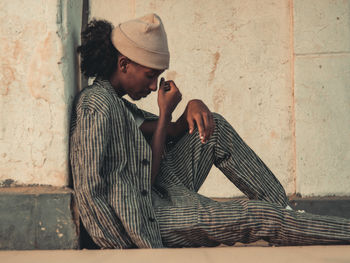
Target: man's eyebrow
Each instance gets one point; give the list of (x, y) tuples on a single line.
[(154, 72)]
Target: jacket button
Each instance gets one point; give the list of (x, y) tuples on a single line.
[(144, 192), (145, 162), (151, 219)]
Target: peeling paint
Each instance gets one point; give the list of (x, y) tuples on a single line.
[(7, 76), (40, 71), (216, 58), (37, 82), (9, 59), (273, 135), (218, 97)]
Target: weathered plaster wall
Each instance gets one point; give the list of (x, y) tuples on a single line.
[(322, 96), (235, 56), (37, 83)]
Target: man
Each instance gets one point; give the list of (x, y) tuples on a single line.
[(136, 175)]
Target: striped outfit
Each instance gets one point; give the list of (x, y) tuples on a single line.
[(111, 167)]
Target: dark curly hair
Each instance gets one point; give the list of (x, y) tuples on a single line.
[(99, 57)]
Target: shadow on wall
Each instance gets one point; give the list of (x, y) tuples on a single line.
[(85, 241), (79, 80)]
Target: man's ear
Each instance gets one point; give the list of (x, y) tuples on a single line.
[(123, 64)]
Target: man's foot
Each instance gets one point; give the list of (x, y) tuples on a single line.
[(299, 211)]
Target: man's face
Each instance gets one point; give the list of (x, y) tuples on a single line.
[(140, 81)]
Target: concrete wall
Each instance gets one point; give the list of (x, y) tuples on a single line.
[(38, 79), (322, 96)]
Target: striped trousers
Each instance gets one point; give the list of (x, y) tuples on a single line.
[(188, 219)]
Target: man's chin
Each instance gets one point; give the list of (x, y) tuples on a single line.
[(135, 98), (138, 97)]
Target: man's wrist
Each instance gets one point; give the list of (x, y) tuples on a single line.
[(179, 127), (164, 118)]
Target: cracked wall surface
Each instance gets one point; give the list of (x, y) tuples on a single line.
[(36, 88)]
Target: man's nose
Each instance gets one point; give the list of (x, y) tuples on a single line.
[(153, 85)]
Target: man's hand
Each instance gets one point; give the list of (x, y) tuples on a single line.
[(169, 97), (197, 113)]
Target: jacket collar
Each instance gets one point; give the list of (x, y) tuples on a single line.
[(107, 85)]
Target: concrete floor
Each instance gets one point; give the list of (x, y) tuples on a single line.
[(307, 254)]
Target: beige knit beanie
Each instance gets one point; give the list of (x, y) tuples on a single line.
[(144, 41)]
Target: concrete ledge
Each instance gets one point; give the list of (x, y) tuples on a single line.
[(329, 205), (42, 217), (38, 218), (332, 206)]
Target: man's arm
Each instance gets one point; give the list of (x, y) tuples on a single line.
[(173, 129), (88, 145), (195, 114), (167, 102)]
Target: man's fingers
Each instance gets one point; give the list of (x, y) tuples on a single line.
[(197, 113), (200, 126), (190, 125), (161, 86), (167, 86), (207, 126), (161, 83)]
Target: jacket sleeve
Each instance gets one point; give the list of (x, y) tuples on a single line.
[(89, 142), (149, 116)]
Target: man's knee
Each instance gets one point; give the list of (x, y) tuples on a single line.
[(219, 120), (218, 117), (221, 124)]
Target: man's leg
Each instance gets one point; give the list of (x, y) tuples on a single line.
[(244, 168), (210, 223), (189, 219), (190, 161)]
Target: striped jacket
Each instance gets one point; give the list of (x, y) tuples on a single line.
[(111, 167)]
